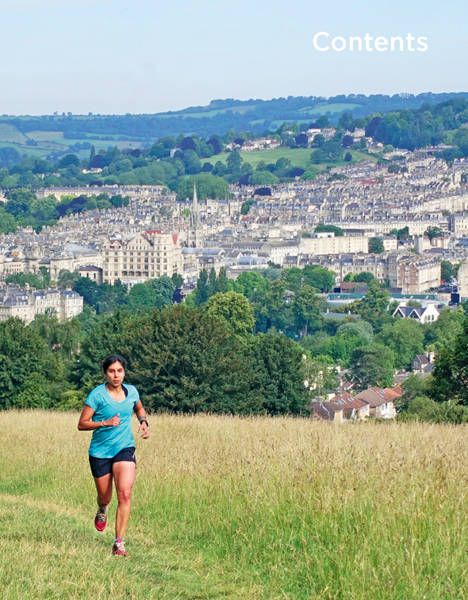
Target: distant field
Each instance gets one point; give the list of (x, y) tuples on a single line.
[(211, 113), (9, 133), (333, 108), (299, 157), (239, 509), (45, 136)]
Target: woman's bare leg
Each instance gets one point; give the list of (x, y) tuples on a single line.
[(124, 477), (104, 490)]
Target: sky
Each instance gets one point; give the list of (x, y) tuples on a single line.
[(147, 56)]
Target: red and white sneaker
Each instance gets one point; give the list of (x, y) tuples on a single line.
[(119, 548), (100, 520)]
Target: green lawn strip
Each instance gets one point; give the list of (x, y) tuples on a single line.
[(299, 157), (54, 553)]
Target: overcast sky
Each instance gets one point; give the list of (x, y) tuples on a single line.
[(146, 56)]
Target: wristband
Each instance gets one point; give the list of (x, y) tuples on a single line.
[(143, 420), (102, 424)]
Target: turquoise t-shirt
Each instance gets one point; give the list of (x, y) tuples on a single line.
[(109, 441)]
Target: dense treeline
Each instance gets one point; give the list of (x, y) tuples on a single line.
[(22, 208), (445, 122), (220, 116), (233, 346)]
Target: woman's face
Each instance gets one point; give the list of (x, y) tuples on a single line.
[(115, 374)]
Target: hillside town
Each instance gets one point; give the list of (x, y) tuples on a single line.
[(158, 234), (278, 228)]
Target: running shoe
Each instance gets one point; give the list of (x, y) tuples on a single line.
[(100, 520), (119, 549)]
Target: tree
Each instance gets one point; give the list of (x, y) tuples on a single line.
[(67, 278), (181, 359), (318, 140), (19, 201), (69, 159), (372, 366), (329, 229), (448, 270), (177, 280), (376, 245), (141, 296), (401, 234), (33, 393), (163, 288), (318, 277), (346, 121), (32, 279), (223, 283), (323, 122), (271, 309), (212, 287), (208, 186), (445, 331), (22, 352), (7, 222), (433, 232), (364, 277), (201, 291), (235, 309), (165, 211), (348, 157), (405, 337), (373, 307), (250, 284), (234, 162), (347, 141), (280, 375), (306, 310), (360, 329), (44, 209), (263, 178)]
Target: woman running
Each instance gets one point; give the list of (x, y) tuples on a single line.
[(108, 414)]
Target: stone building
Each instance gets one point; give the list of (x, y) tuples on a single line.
[(146, 256), (327, 243), (25, 303)]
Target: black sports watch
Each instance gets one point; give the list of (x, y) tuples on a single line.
[(143, 420)]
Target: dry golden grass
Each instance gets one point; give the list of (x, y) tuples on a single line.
[(240, 508)]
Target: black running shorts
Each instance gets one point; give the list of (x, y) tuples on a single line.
[(103, 466)]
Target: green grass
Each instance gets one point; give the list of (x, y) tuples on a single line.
[(9, 133), (45, 136), (228, 508), (210, 113), (299, 157)]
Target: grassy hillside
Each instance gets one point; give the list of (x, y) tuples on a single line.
[(299, 157), (241, 509)]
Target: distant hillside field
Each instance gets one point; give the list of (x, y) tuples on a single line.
[(299, 157), (9, 133), (231, 508)]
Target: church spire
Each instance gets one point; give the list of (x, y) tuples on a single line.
[(195, 232), (195, 216)]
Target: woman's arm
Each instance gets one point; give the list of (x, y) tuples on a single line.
[(141, 415), (86, 424)]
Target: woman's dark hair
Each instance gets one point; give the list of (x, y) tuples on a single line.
[(110, 360)]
